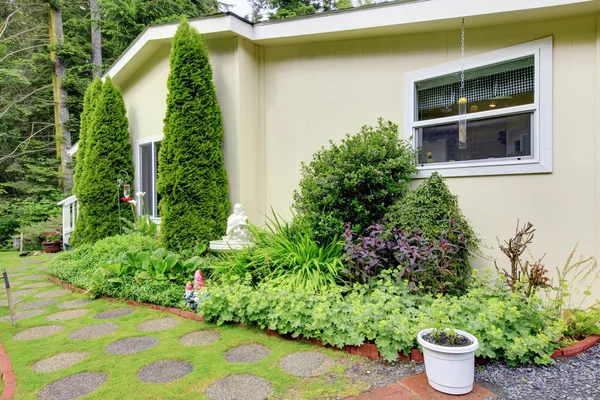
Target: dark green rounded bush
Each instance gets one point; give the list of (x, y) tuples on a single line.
[(355, 181)]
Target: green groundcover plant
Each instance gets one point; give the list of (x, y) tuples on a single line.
[(509, 327)]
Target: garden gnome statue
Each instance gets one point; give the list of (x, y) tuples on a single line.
[(237, 234), (195, 294)]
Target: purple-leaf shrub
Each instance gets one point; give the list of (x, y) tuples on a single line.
[(427, 263)]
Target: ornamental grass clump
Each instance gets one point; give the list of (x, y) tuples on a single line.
[(354, 181)]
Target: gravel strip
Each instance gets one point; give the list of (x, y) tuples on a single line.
[(132, 345), (66, 315), (33, 277), (36, 285), (73, 386), (306, 364), (157, 325), (200, 338), (93, 331), (576, 377), (379, 372), (4, 303), (18, 293), (22, 315), (75, 303), (38, 332), (164, 371), (239, 387), (35, 304), (59, 361), (52, 293), (114, 313), (247, 353)]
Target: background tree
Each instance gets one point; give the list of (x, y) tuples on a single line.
[(192, 180), (108, 151)]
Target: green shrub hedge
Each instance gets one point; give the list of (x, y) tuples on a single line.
[(508, 326)]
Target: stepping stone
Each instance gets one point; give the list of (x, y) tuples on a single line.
[(36, 285), (38, 332), (66, 315), (52, 293), (157, 325), (32, 277), (164, 371), (131, 345), (23, 315), (114, 313), (24, 292), (247, 353), (44, 268), (22, 268), (32, 262), (200, 338), (75, 303), (35, 304), (73, 386), (4, 303), (239, 386), (10, 276), (59, 361), (306, 364), (93, 331)]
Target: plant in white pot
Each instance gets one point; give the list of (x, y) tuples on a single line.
[(449, 359)]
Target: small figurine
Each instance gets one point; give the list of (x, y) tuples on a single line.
[(194, 295), (198, 280)]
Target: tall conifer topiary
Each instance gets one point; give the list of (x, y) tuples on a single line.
[(192, 180), (107, 152), (89, 105)]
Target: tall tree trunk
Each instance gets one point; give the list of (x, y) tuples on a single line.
[(96, 39), (61, 110)]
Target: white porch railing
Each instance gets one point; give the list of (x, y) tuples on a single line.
[(70, 207)]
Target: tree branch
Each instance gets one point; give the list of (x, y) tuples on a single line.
[(8, 107), (21, 33), (20, 50), (26, 143), (5, 24)]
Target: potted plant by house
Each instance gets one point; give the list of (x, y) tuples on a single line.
[(52, 242), (449, 359)]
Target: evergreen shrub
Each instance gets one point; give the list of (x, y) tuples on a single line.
[(192, 180), (355, 181)]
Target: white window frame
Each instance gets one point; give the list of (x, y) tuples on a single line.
[(138, 171), (541, 129)]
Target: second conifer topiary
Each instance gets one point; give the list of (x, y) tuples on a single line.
[(192, 181)]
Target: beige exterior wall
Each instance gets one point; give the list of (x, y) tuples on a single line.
[(320, 91), (282, 103)]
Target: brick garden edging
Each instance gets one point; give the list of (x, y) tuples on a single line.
[(9, 379), (368, 350)]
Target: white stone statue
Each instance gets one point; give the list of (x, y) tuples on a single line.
[(237, 236)]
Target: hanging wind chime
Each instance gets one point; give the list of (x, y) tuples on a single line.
[(462, 101)]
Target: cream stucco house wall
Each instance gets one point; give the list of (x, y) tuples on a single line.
[(287, 87)]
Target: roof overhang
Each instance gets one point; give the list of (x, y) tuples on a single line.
[(398, 17)]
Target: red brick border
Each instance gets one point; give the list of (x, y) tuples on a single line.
[(368, 350), (9, 379)]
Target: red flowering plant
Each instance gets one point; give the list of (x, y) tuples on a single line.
[(53, 236)]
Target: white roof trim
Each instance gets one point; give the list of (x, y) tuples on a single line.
[(71, 152), (400, 12)]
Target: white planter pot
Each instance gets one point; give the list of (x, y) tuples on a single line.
[(449, 369)]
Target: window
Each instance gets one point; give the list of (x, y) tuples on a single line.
[(147, 174), (508, 113)]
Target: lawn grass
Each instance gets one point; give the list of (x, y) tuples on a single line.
[(121, 369)]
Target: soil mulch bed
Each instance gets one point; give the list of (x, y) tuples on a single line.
[(447, 340), (52, 293), (114, 313), (75, 303), (164, 371), (38, 332), (35, 304), (131, 345), (93, 331), (36, 285), (32, 277), (73, 386), (247, 353), (157, 325), (306, 364), (239, 387), (23, 315), (200, 338), (66, 315), (59, 361)]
